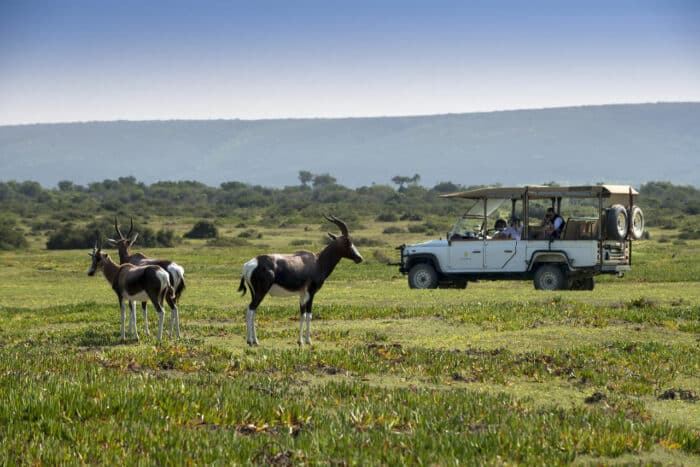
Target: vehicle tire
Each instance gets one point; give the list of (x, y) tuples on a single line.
[(636, 217), (550, 277), (616, 222), (422, 276)]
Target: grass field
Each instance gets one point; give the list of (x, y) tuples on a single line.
[(497, 373)]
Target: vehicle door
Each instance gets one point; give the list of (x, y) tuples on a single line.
[(466, 255), (498, 254)]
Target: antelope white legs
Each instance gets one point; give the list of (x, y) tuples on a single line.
[(251, 335), (132, 319), (161, 314), (308, 328), (305, 318), (174, 322), (145, 319), (122, 307), (255, 330)]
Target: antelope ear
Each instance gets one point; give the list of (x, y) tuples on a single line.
[(112, 241), (333, 237), (133, 240)]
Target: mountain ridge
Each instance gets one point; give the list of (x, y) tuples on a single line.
[(622, 143)]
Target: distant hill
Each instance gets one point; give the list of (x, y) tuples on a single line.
[(612, 143)]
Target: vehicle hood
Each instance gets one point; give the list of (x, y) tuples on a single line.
[(428, 244)]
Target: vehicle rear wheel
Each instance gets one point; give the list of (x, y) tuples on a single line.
[(637, 219), (549, 277), (422, 276), (616, 222)]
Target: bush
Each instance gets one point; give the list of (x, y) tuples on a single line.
[(250, 233), (393, 230), (203, 229), (228, 242), (71, 237), (300, 242), (411, 217), (386, 217), (163, 238), (11, 238), (689, 235), (364, 241)]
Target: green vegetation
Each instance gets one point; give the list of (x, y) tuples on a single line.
[(70, 215), (494, 374)]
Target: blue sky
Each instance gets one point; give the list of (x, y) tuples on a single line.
[(135, 60)]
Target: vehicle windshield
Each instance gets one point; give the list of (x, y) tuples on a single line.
[(467, 227)]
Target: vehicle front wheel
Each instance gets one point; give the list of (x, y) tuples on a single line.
[(422, 276), (549, 277)]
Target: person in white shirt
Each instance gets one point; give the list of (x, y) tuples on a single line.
[(515, 229)]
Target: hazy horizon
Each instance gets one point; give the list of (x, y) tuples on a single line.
[(83, 61)]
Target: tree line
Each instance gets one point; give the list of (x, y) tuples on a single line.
[(58, 209)]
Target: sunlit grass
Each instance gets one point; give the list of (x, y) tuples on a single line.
[(496, 373)]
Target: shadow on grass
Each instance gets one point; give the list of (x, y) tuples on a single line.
[(100, 337)]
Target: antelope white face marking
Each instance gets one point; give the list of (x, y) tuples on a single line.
[(355, 252)]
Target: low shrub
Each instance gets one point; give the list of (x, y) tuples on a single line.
[(203, 229), (386, 217), (11, 238), (228, 242)]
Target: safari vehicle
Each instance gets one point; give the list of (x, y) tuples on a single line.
[(596, 238)]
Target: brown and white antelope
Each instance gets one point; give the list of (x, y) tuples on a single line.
[(133, 283), (301, 273), (176, 272)]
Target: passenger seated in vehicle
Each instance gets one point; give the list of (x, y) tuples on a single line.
[(515, 229), (500, 227), (553, 224)]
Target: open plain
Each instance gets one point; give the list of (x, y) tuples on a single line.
[(498, 373)]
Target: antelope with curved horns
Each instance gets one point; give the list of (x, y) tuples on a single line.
[(302, 273), (133, 283), (176, 272)]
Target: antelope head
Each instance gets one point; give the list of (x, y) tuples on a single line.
[(123, 243), (97, 258), (347, 249)]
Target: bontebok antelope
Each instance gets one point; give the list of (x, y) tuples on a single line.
[(176, 272), (301, 273), (133, 283)]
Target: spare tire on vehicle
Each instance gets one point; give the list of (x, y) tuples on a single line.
[(636, 217), (616, 222)]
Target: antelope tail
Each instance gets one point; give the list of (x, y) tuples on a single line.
[(241, 288)]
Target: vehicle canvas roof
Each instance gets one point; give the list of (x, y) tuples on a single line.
[(545, 192)]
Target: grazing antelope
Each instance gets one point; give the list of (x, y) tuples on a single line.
[(176, 272), (301, 273), (132, 283)]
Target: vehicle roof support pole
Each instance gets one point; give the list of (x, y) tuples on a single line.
[(526, 214)]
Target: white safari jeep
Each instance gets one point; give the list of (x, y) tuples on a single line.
[(595, 237)]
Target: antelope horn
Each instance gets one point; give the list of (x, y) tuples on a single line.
[(116, 227), (341, 225), (131, 229)]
